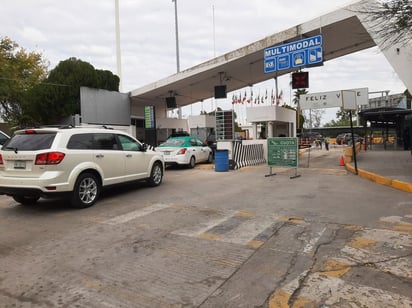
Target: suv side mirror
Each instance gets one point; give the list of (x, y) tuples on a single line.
[(144, 147)]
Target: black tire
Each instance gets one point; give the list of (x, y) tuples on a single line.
[(86, 191), (192, 162), (26, 200), (156, 175)]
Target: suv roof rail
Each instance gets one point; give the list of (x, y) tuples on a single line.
[(95, 126)]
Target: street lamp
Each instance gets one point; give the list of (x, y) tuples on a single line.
[(118, 58), (177, 50), (177, 38)]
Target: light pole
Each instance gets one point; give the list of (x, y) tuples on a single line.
[(177, 50), (118, 57), (177, 38)]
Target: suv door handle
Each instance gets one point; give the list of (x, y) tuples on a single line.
[(99, 155), (129, 155)]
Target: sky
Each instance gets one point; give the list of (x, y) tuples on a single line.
[(85, 29)]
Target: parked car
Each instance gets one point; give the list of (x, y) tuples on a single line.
[(185, 150), (179, 134), (3, 137), (346, 138), (310, 136), (73, 162)]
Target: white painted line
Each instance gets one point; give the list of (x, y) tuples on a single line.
[(203, 227), (392, 219), (247, 230), (136, 214), (309, 247)]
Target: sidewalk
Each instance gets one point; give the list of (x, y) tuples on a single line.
[(388, 167)]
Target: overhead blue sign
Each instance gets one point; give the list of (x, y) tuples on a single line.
[(299, 53)]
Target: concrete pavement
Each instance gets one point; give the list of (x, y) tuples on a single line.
[(387, 167), (391, 167)]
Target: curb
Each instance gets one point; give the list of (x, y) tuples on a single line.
[(396, 184)]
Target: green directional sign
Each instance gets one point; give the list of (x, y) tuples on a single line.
[(283, 152)]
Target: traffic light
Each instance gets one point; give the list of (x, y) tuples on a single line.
[(300, 80)]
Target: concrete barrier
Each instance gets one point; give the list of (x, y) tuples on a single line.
[(349, 152)]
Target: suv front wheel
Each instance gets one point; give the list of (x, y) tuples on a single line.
[(86, 191), (156, 175)]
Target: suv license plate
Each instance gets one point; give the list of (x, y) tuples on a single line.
[(19, 164)]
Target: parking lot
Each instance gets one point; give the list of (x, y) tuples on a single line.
[(215, 239)]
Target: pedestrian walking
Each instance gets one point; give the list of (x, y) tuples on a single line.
[(327, 143)]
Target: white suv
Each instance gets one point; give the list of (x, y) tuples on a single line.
[(76, 162)]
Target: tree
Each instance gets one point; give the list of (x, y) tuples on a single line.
[(315, 117), (300, 119), (20, 71), (391, 20), (343, 119), (60, 94)]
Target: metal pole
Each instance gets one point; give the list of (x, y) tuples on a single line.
[(177, 51), (353, 143), (118, 57), (177, 38), (214, 33)]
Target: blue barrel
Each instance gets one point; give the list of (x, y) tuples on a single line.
[(222, 160)]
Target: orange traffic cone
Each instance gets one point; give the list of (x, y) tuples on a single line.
[(342, 161)]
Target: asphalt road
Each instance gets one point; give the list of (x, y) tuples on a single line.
[(216, 239)]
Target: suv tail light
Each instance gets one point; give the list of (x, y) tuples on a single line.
[(30, 131), (1, 160), (50, 158), (182, 151)]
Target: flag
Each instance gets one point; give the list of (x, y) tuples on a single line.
[(279, 98)]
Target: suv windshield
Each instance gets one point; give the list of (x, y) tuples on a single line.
[(30, 142)]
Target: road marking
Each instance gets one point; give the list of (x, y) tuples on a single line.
[(333, 291), (362, 243), (121, 219), (392, 238), (196, 230), (248, 230), (309, 247), (328, 291), (235, 227), (334, 268)]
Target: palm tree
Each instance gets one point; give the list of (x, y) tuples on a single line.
[(299, 117), (297, 95)]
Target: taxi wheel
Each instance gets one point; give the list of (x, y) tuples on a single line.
[(192, 162)]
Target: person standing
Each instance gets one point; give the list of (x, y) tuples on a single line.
[(327, 143)]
